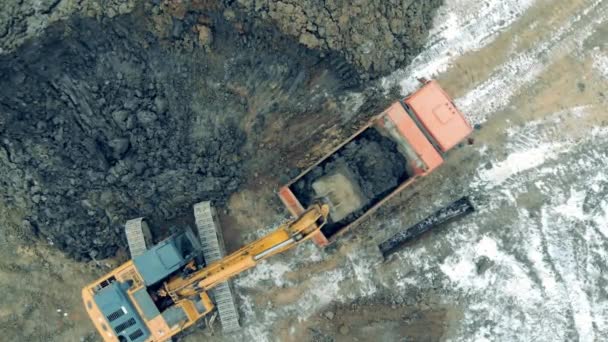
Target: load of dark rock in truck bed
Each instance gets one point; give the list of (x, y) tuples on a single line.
[(373, 167)]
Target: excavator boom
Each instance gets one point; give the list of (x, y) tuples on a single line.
[(283, 238)]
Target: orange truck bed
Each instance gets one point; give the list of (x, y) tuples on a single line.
[(406, 141)]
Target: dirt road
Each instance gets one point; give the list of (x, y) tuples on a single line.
[(529, 265)]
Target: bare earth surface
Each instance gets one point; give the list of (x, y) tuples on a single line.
[(529, 265)]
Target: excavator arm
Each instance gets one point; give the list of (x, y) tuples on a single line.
[(283, 238)]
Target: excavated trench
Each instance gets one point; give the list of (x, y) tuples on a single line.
[(102, 123), (144, 115)]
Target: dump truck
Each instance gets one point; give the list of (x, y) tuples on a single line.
[(168, 287), (394, 149)]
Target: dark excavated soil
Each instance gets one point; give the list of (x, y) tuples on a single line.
[(374, 36), (375, 164), (102, 122)]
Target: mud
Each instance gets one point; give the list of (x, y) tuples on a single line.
[(103, 121), (374, 162)]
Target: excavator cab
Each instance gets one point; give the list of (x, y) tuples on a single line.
[(167, 257)]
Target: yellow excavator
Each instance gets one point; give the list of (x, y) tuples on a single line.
[(167, 288)]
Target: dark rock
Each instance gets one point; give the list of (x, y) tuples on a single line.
[(373, 36), (119, 146), (160, 105), (178, 28), (180, 126), (483, 264), (146, 117), (87, 155), (120, 116)]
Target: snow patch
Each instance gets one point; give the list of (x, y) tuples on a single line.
[(507, 277), (273, 271), (563, 255), (507, 80), (325, 287), (487, 247), (255, 332), (496, 93), (548, 286), (520, 161), (600, 63), (363, 268), (573, 208), (459, 26), (460, 270)]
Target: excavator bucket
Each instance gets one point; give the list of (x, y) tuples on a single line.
[(213, 249), (138, 235)]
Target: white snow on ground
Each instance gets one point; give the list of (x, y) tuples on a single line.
[(265, 271), (460, 26), (521, 161), (524, 67), (549, 286), (323, 289), (464, 25), (573, 208), (545, 288), (252, 329), (320, 288), (600, 63), (563, 256), (461, 269), (361, 269)]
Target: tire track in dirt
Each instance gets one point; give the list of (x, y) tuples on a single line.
[(524, 68), (461, 26)]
